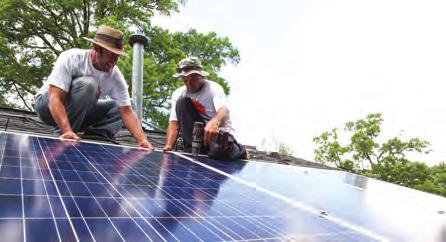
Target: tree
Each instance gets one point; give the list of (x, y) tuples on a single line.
[(436, 182), (330, 150), (387, 161), (33, 33), (363, 151), (409, 174)]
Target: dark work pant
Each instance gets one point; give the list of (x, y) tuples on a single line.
[(84, 111), (224, 148)]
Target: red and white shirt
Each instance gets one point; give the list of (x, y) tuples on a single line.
[(208, 100)]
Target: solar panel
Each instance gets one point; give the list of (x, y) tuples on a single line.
[(386, 210), (58, 190)]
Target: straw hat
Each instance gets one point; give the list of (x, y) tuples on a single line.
[(110, 39)]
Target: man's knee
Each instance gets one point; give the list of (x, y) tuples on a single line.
[(184, 105), (183, 102), (226, 148), (42, 110)]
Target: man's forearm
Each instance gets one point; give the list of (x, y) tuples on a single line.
[(59, 114), (221, 116), (172, 133), (211, 129)]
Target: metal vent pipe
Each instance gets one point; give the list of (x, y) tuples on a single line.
[(138, 42)]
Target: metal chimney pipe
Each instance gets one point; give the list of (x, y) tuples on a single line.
[(138, 42)]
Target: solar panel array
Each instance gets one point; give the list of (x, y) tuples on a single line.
[(383, 210), (58, 190)]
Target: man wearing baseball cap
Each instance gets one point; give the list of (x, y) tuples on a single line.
[(204, 101), (87, 92)]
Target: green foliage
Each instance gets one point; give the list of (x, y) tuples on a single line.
[(386, 161), (285, 149), (436, 182), (395, 149), (33, 33), (407, 173), (364, 132), (330, 150), (413, 174)]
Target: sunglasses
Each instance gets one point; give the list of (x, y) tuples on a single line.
[(189, 68)]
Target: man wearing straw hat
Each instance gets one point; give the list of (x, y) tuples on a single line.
[(203, 101), (72, 98)]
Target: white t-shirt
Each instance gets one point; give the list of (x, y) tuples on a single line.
[(77, 62), (211, 96)]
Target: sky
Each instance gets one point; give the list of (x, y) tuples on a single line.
[(308, 66)]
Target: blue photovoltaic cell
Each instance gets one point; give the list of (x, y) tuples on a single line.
[(55, 190)]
